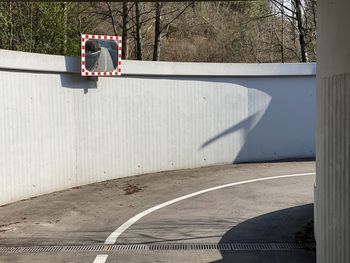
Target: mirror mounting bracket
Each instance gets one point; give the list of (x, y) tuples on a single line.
[(92, 78)]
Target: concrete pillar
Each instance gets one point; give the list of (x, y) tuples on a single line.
[(332, 213)]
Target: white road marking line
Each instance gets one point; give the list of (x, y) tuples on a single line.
[(112, 238), (100, 259)]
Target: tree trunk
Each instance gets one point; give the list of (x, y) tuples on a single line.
[(111, 15), (79, 20), (31, 26), (65, 20), (11, 46), (156, 46), (125, 40), (313, 7), (301, 29), (138, 30), (282, 23)]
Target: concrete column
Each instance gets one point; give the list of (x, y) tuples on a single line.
[(332, 213)]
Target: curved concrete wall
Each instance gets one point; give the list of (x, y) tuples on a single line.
[(59, 130)]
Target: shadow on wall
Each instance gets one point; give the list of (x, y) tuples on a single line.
[(281, 119), (73, 64), (293, 224), (245, 125), (73, 79)]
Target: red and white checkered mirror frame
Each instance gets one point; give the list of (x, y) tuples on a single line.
[(117, 71)]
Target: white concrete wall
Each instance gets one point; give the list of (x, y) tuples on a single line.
[(59, 130), (332, 198)]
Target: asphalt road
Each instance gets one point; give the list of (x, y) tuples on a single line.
[(259, 211), (104, 62)]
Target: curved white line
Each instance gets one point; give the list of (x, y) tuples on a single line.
[(100, 259), (112, 238)]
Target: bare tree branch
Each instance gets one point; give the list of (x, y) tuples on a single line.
[(177, 16)]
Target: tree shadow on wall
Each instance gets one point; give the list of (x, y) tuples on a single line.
[(281, 119)]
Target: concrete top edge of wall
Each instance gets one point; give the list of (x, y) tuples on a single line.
[(33, 62)]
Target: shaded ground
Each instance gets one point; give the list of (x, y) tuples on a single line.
[(276, 210)]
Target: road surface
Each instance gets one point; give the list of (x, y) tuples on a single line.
[(104, 62), (259, 205)]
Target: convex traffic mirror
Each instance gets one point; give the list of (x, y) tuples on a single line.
[(101, 55)]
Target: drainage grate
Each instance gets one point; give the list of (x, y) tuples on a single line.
[(283, 246)]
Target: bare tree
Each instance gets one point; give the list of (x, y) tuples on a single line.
[(282, 32), (157, 32), (65, 21), (301, 28), (236, 31), (124, 25), (296, 17), (111, 16), (138, 30), (11, 27), (158, 29), (125, 39)]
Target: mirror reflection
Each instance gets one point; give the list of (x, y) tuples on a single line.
[(101, 55)]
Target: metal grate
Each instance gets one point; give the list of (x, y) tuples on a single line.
[(283, 246)]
